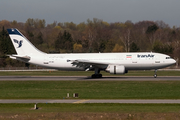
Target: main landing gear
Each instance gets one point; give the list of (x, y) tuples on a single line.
[(155, 73), (97, 74)]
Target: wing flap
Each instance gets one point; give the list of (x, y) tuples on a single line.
[(88, 64)]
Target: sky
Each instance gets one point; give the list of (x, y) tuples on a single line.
[(78, 11)]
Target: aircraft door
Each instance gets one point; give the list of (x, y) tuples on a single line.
[(157, 59), (46, 60)]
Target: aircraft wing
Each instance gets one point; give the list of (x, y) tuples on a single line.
[(88, 64)]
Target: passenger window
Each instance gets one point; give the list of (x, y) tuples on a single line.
[(168, 57)]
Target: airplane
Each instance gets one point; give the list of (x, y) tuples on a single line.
[(114, 63)]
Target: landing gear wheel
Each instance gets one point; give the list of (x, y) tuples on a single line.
[(93, 76), (100, 75), (155, 76), (96, 76)]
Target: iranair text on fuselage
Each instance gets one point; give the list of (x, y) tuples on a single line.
[(145, 56)]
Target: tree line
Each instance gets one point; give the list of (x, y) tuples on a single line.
[(92, 36)]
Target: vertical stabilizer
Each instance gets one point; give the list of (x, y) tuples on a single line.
[(21, 44)]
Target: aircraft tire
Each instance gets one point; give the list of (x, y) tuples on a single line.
[(96, 76), (155, 76)]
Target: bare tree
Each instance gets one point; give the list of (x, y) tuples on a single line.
[(126, 39)]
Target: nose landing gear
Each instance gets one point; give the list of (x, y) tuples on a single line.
[(155, 73)]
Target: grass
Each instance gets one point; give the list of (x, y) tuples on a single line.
[(90, 107), (88, 73), (90, 90), (90, 111)]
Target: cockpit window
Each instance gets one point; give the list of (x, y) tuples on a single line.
[(168, 58)]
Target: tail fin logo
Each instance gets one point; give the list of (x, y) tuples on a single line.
[(18, 42)]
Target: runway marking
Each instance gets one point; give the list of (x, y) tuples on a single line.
[(80, 101)]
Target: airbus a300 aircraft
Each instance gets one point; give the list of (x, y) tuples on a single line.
[(114, 63)]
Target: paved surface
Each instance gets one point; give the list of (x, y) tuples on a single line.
[(105, 78), (159, 101)]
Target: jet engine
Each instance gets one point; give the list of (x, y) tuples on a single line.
[(116, 69)]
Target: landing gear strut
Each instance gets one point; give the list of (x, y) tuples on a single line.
[(97, 75), (155, 73)]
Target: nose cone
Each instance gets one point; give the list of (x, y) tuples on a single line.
[(173, 61)]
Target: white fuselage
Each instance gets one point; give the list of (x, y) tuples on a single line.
[(131, 61)]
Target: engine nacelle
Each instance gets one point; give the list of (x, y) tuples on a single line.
[(116, 69)]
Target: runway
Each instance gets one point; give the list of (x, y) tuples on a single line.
[(87, 78), (78, 101)]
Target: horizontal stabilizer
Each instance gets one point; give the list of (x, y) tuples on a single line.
[(20, 57)]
